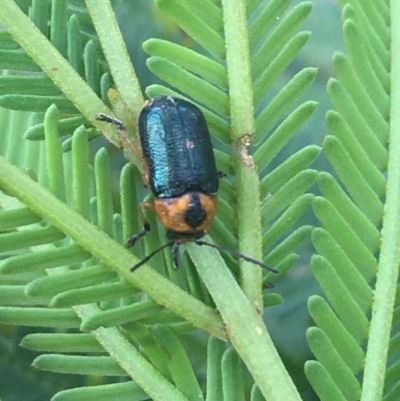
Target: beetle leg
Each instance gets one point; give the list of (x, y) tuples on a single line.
[(221, 174), (123, 135), (111, 120), (146, 226), (119, 124), (125, 139), (175, 255), (132, 241)]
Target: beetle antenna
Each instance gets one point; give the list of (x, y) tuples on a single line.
[(237, 254), (148, 257)]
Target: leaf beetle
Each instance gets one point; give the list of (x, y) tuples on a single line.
[(181, 172)]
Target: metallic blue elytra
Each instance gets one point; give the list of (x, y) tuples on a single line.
[(177, 147)]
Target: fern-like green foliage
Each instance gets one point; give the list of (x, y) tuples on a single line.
[(63, 223), (353, 333)]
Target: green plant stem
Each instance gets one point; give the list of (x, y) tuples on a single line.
[(244, 327), (55, 66), (163, 291), (242, 118), (385, 289), (117, 57)]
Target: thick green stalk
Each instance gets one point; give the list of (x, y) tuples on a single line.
[(244, 327), (385, 290), (242, 119)]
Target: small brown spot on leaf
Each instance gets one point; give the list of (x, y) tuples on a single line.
[(242, 149)]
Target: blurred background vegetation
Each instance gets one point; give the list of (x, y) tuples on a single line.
[(287, 323)]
